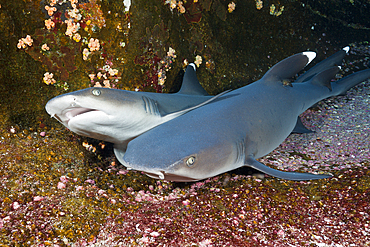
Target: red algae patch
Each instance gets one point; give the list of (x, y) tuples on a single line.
[(250, 213)]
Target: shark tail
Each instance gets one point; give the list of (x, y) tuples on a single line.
[(341, 86)]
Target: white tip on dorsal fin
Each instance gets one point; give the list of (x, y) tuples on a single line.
[(289, 67), (193, 65), (311, 55), (335, 59)]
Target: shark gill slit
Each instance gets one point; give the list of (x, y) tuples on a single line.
[(240, 152), (150, 106)]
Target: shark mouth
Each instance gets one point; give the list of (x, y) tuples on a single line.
[(67, 115), (170, 177), (160, 174)]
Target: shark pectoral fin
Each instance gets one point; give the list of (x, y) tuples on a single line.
[(335, 59), (190, 84), (179, 113), (119, 151), (300, 128), (289, 67), (251, 162)]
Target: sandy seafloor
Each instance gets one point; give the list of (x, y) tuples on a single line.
[(228, 210)]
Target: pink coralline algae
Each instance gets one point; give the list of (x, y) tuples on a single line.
[(63, 179), (38, 198), (61, 185), (15, 205)]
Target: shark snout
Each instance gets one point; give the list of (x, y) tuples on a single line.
[(149, 168), (159, 170), (65, 108), (57, 105)]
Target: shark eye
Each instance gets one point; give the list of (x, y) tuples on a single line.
[(96, 92), (190, 161)]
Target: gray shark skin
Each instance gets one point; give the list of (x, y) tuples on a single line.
[(118, 116), (234, 132)]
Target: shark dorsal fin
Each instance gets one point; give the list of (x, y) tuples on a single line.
[(289, 67), (335, 59), (341, 86), (324, 78), (190, 84)]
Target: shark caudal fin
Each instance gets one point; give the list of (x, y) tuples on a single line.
[(341, 86), (289, 67), (251, 162), (335, 59), (190, 84)]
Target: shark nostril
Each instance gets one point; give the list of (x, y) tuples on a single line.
[(73, 104)]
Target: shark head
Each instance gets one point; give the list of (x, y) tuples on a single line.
[(181, 157), (104, 114)]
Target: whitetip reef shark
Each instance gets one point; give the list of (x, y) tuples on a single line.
[(234, 132), (118, 116)]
